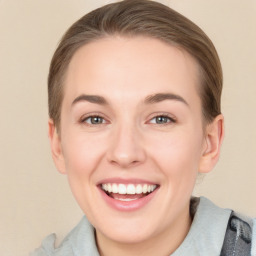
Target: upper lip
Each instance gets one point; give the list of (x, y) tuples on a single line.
[(118, 180)]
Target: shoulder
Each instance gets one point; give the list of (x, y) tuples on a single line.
[(240, 233), (253, 252), (209, 228), (239, 236), (73, 245)]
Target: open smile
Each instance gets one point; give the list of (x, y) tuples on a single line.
[(126, 197), (128, 192)]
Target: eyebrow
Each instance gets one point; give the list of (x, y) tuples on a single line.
[(155, 98), (90, 98), (151, 99)]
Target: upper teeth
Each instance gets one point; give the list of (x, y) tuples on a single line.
[(130, 189)]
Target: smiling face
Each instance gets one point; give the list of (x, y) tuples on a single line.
[(132, 138)]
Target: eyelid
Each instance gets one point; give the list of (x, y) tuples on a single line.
[(93, 114), (172, 118), (83, 118), (91, 118)]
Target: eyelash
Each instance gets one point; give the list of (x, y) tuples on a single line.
[(90, 117), (168, 119)]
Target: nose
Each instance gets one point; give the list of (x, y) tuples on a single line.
[(125, 147)]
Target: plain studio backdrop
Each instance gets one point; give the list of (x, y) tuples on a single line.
[(34, 199)]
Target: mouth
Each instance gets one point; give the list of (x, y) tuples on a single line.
[(128, 192)]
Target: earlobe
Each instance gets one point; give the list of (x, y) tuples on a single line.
[(214, 135), (55, 142)]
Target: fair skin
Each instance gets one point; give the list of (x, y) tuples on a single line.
[(131, 115)]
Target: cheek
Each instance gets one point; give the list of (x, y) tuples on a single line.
[(82, 156), (177, 154), (82, 153)]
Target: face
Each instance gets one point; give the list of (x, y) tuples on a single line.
[(131, 139)]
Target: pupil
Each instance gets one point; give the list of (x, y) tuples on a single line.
[(96, 120), (161, 119)]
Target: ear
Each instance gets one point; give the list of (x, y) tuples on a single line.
[(55, 142), (214, 135)]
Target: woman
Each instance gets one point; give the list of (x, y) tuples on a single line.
[(134, 104)]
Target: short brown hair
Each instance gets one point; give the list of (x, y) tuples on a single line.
[(139, 18)]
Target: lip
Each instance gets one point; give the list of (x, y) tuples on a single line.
[(126, 181), (126, 206)]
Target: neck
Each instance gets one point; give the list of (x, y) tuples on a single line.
[(162, 244)]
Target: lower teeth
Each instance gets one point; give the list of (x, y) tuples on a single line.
[(127, 197)]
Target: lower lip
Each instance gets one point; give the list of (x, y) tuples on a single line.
[(127, 205)]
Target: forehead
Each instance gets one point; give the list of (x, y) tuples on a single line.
[(146, 65)]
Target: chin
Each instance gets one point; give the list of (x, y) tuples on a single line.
[(126, 235)]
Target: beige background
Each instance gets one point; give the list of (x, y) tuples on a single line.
[(34, 199)]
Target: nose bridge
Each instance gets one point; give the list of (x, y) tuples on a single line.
[(126, 148)]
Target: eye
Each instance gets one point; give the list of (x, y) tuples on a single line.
[(94, 120), (161, 119)]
